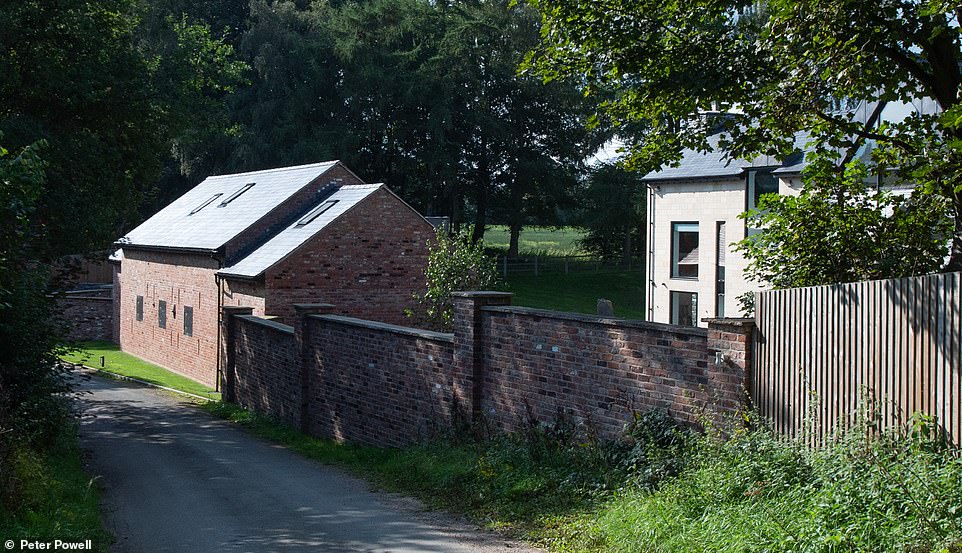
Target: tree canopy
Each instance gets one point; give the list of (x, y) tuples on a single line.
[(680, 71)]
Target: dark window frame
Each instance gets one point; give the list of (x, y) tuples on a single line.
[(676, 318), (139, 311), (161, 314), (675, 259), (188, 316)]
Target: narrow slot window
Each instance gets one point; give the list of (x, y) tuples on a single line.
[(162, 314), (188, 320), (237, 194), (316, 212), (140, 308), (207, 203)]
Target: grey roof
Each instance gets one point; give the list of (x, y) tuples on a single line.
[(714, 165), (181, 225), (286, 241)]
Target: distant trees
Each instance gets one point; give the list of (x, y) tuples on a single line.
[(424, 96), (613, 213)]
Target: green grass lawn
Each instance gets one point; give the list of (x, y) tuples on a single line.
[(124, 364), (537, 240), (579, 292)]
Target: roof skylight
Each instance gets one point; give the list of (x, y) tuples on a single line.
[(316, 212), (207, 203), (235, 195)]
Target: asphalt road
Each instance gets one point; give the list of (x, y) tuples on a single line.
[(175, 479)]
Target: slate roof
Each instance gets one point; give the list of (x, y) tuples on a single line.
[(181, 225), (286, 241), (713, 165)]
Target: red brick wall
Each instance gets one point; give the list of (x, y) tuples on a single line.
[(87, 317), (374, 384), (598, 371), (369, 263), (297, 203), (244, 293), (378, 384), (180, 280), (264, 374)]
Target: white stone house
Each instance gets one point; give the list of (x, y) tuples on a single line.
[(693, 271)]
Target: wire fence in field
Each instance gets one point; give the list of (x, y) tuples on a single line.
[(562, 264)]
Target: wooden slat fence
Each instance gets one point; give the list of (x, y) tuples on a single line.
[(821, 352)]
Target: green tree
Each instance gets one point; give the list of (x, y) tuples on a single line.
[(787, 66), (614, 213), (32, 386), (850, 233), (455, 263)]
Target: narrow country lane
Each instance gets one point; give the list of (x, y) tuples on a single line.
[(176, 479)]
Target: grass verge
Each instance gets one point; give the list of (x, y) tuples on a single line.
[(579, 292), (124, 364), (55, 499), (661, 488)]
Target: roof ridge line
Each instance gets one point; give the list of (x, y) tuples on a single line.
[(275, 169)]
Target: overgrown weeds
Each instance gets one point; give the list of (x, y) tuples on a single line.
[(663, 487)]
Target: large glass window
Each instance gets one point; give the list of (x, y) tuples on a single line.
[(684, 308), (684, 250), (759, 184)]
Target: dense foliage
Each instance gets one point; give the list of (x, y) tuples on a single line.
[(848, 233), (681, 71), (455, 263), (613, 213), (32, 408)]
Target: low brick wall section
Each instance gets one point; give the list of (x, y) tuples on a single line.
[(539, 364), (380, 384), (265, 375), (87, 317), (386, 385)]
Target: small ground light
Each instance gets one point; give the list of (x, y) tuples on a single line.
[(101, 361)]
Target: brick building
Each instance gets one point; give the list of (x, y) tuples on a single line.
[(265, 240)]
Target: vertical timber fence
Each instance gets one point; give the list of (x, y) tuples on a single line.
[(823, 353)]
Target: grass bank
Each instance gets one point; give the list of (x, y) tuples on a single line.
[(54, 498), (663, 489), (124, 364)]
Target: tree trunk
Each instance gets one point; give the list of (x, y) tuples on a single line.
[(515, 236), (626, 248)]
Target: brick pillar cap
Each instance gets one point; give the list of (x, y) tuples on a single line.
[(482, 294)]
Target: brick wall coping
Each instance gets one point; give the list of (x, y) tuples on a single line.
[(732, 321), (268, 323), (482, 294), (396, 329), (603, 321)]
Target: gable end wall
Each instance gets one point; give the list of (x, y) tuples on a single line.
[(369, 263)]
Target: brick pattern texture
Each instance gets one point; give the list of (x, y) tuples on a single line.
[(178, 280), (368, 265), (378, 384), (87, 317), (265, 375)]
